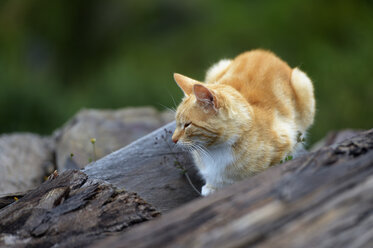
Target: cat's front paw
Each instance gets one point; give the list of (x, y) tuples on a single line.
[(207, 189)]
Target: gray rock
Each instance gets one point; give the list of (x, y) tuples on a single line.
[(24, 160), (111, 129)]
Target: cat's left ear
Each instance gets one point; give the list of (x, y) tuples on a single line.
[(185, 83), (205, 96)]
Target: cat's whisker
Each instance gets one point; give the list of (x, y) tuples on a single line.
[(206, 152), (202, 150), (173, 100), (168, 108), (175, 105)]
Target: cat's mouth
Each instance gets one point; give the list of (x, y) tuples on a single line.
[(189, 146), (183, 145)]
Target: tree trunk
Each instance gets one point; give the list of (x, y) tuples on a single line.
[(323, 199), (70, 210), (153, 168)]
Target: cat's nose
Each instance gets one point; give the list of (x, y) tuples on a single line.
[(175, 140)]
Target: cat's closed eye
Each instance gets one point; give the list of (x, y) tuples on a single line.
[(187, 124)]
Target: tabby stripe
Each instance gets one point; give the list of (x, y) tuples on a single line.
[(204, 129)]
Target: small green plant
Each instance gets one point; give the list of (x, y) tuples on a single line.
[(177, 163), (288, 158), (93, 142), (300, 139)]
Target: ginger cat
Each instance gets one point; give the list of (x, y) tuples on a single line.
[(246, 117)]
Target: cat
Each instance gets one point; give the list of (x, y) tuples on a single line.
[(248, 115)]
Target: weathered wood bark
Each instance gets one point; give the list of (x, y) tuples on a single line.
[(6, 199), (323, 199), (71, 210), (153, 168)]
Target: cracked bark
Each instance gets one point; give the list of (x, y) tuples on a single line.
[(71, 210)]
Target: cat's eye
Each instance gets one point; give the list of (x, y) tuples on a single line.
[(187, 124)]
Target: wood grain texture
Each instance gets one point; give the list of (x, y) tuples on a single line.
[(6, 199), (323, 199), (71, 210), (150, 167)]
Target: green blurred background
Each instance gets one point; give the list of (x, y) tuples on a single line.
[(59, 56)]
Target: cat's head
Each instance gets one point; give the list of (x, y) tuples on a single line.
[(209, 114)]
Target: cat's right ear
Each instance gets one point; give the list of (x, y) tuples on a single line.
[(185, 83)]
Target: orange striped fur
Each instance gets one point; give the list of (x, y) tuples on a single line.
[(244, 118)]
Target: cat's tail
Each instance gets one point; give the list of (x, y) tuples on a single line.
[(303, 88)]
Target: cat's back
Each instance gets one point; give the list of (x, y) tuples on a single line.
[(259, 63), (256, 74), (271, 86)]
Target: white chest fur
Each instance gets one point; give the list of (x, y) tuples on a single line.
[(213, 165)]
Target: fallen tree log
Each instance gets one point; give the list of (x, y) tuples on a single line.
[(6, 199), (153, 168), (70, 210), (322, 199)]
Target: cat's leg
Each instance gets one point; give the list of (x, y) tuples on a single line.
[(215, 72), (208, 189)]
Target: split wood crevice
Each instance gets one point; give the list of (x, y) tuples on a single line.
[(322, 199)]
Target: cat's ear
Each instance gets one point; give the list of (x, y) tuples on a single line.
[(205, 96), (185, 83)]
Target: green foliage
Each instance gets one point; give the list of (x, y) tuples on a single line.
[(288, 158), (57, 57)]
